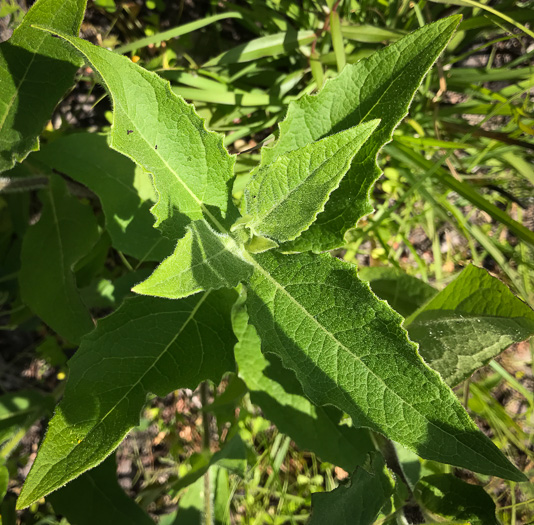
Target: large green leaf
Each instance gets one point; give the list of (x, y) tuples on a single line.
[(96, 497), (285, 197), (348, 349), (66, 231), (191, 169), (278, 393), (360, 502), (124, 189), (471, 321), (381, 86), (450, 497), (202, 260), (35, 72), (147, 345)]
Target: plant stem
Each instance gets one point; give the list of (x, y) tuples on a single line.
[(387, 448), (206, 419)]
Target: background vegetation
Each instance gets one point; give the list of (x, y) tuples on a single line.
[(459, 167)]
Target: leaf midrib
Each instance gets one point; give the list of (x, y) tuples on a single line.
[(362, 119), (125, 395), (304, 181), (117, 104), (341, 345)]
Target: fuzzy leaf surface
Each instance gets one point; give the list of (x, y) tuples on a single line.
[(191, 169), (148, 345), (202, 260), (285, 197), (279, 394), (66, 232), (358, 503), (468, 323), (348, 349), (381, 86), (35, 72), (124, 189), (96, 497)]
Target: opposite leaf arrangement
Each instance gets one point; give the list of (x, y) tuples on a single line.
[(250, 275)]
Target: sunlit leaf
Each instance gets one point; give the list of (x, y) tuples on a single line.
[(470, 322), (147, 345), (381, 86)]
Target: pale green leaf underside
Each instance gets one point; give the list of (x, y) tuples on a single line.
[(381, 86), (348, 349), (124, 189), (192, 170), (358, 503), (285, 197), (278, 393), (470, 322), (203, 260), (66, 231), (147, 345), (35, 71)]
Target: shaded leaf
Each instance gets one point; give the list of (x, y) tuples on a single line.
[(66, 231), (106, 293), (381, 86), (124, 189), (96, 497), (21, 409), (404, 293), (35, 72), (202, 260), (450, 497), (276, 390), (348, 349), (360, 502), (285, 197), (467, 324), (147, 345)]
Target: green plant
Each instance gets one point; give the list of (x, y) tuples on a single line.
[(248, 282)]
